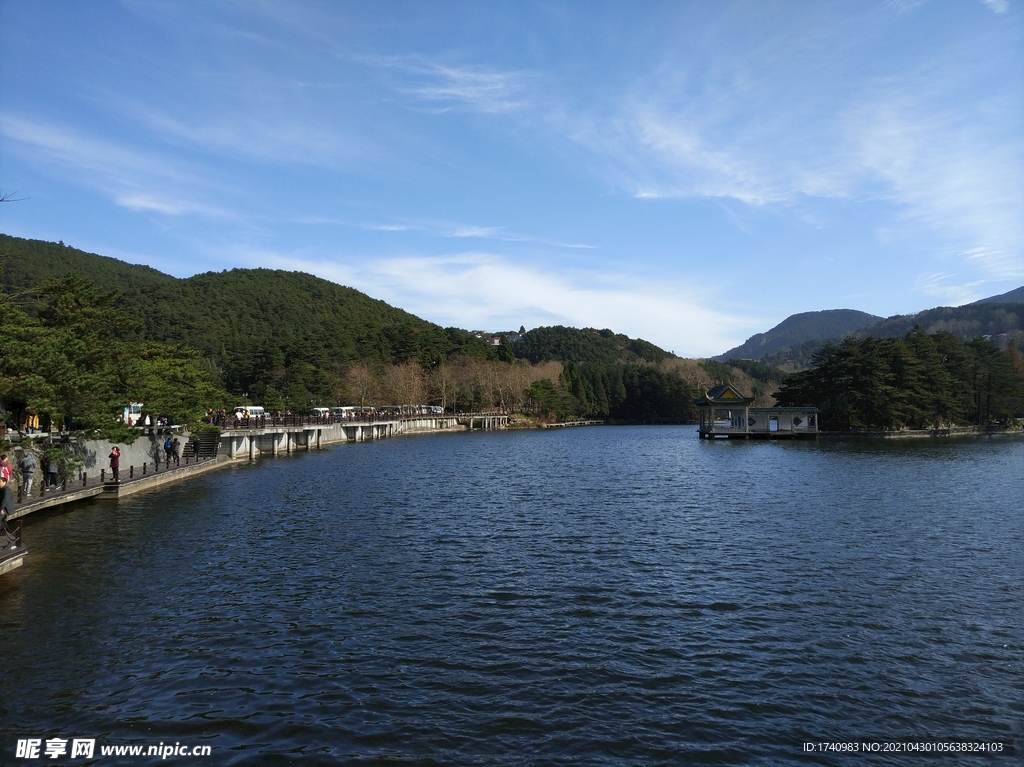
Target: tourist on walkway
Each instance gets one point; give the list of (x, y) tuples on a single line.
[(6, 470), (176, 450), (6, 502), (51, 473), (115, 462), (168, 448), (28, 472)]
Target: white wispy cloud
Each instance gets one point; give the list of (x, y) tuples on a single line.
[(75, 149), (264, 130), (133, 178), (948, 290), (451, 85), (479, 289), (944, 155), (502, 234), (492, 232), (997, 6), (949, 168), (444, 230)]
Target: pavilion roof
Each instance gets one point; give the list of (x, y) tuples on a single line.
[(724, 394)]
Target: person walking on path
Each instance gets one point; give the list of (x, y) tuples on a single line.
[(51, 473), (175, 450), (6, 470), (168, 449), (28, 471), (115, 462), (6, 507)]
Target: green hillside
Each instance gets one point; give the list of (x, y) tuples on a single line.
[(293, 339), (258, 323), (799, 328), (259, 327), (587, 345), (25, 263)]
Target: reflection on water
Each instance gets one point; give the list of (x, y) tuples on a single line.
[(589, 596)]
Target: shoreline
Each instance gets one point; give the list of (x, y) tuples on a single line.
[(155, 478), (110, 491), (950, 432)]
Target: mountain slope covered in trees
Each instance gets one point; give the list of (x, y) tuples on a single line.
[(261, 327), (288, 339), (798, 328), (587, 346), (1010, 297)]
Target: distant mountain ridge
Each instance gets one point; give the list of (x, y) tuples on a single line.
[(799, 328), (1013, 296), (1000, 318)]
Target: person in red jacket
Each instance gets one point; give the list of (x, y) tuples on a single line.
[(115, 461)]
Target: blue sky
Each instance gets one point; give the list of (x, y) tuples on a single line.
[(689, 173)]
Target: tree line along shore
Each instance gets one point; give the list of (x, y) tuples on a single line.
[(74, 354)]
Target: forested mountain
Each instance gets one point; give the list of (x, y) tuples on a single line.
[(1015, 296), (798, 328), (290, 340), (587, 345), (26, 263), (260, 327), (986, 318), (997, 320), (75, 361), (257, 323)]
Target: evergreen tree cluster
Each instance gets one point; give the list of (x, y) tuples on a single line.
[(623, 392), (919, 381), (587, 345), (74, 360)]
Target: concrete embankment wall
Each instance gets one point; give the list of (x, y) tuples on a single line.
[(272, 440), (149, 449), (94, 453)]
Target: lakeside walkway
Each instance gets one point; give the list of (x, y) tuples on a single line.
[(108, 490), (246, 442)]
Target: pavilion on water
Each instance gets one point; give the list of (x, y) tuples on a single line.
[(726, 412)]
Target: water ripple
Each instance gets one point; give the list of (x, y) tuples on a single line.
[(591, 596)]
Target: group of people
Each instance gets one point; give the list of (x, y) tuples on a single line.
[(28, 466)]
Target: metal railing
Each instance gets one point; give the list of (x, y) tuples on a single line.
[(231, 421), (84, 481)]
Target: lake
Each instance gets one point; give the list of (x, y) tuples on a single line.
[(600, 595)]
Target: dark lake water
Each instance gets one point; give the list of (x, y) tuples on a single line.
[(600, 595)]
